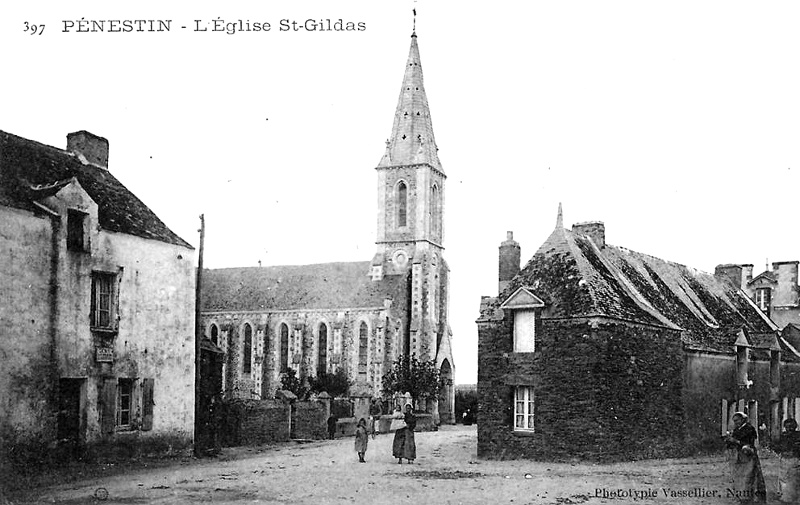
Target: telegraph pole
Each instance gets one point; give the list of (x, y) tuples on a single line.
[(198, 334)]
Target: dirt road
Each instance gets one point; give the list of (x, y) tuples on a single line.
[(446, 472)]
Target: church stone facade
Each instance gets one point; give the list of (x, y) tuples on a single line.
[(360, 316)]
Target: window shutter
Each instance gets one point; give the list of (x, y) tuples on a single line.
[(108, 399), (511, 399), (147, 404), (93, 301)]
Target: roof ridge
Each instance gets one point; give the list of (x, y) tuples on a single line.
[(693, 269), (299, 265), (628, 288)]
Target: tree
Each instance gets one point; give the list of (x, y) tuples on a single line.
[(290, 382), (411, 375), (335, 384)]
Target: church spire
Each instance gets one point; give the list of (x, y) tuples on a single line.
[(412, 141)]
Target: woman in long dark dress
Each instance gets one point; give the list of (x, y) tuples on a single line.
[(748, 480), (789, 450), (404, 445)]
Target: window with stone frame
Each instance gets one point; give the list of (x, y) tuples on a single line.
[(763, 299), (103, 310), (402, 204), (363, 349), (247, 349), (434, 212), (524, 330), (284, 351), (125, 404), (77, 236), (215, 334), (322, 349), (523, 408)]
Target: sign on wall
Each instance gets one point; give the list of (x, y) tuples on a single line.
[(104, 354)]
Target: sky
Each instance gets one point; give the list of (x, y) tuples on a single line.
[(675, 123)]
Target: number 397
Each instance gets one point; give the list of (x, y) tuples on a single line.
[(34, 29)]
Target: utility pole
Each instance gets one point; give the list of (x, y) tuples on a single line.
[(198, 334)]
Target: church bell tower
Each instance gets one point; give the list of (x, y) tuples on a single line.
[(410, 181), (410, 214), (410, 234)]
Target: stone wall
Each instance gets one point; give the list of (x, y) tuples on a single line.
[(603, 390), (26, 384), (254, 422), (710, 379), (309, 420), (47, 300)]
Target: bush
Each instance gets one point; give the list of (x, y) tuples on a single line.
[(335, 384)]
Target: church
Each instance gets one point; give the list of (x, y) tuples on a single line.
[(358, 317)]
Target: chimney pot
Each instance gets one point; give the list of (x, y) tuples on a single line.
[(92, 148)]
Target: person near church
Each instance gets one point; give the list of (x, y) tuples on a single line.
[(362, 439), (748, 479), (375, 413), (404, 445), (789, 449), (332, 420)]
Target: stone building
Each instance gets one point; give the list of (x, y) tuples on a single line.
[(775, 291), (358, 317), (97, 300), (595, 351)]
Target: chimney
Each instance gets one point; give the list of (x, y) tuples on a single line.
[(738, 275), (509, 261), (595, 230), (747, 274), (89, 147), (786, 273)]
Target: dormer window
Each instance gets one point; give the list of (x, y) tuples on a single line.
[(524, 330), (763, 299), (77, 230), (525, 307)]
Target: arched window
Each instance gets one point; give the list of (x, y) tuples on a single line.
[(363, 347), (247, 351), (214, 334), (434, 210), (284, 347), (322, 351), (402, 203)]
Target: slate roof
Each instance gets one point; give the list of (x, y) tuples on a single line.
[(293, 287), (575, 278), (411, 141), (26, 164)]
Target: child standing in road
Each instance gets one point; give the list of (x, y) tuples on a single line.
[(362, 438)]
